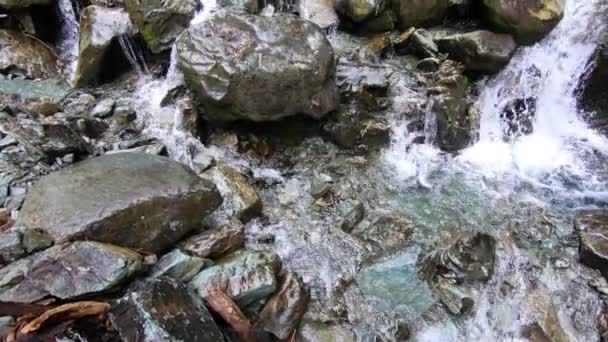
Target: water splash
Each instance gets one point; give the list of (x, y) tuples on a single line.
[(69, 35)]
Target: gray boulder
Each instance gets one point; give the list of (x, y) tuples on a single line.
[(161, 22), (241, 66), (482, 51), (135, 200), (99, 26), (68, 271), (527, 20), (215, 243), (592, 228), (22, 54), (245, 276), (163, 309)]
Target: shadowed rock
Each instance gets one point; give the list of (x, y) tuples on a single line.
[(592, 227), (22, 54)]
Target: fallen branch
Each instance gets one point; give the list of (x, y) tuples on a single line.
[(219, 302), (65, 312)]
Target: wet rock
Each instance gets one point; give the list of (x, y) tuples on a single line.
[(419, 12), (245, 276), (428, 64), (163, 309), (6, 323), (320, 189), (130, 199), (25, 55), (378, 45), (282, 313), (264, 68), (124, 115), (420, 43), (78, 104), (360, 10), (17, 242), (449, 92), (202, 162), (592, 228), (161, 22), (353, 218), (518, 116), (179, 265), (458, 300), (482, 51), (387, 233), (99, 26), (470, 258), (104, 109), (47, 139), (546, 326), (215, 243), (311, 331), (68, 271), (240, 197), (320, 12), (594, 89), (527, 20)]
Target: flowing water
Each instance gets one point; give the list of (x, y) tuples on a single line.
[(533, 181), (69, 12)]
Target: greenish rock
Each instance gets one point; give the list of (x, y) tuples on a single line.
[(245, 276), (16, 4), (161, 22), (135, 200), (26, 55), (240, 197), (68, 271), (282, 313), (592, 228), (481, 51), (419, 12), (527, 20), (360, 10), (179, 265), (163, 309), (245, 67), (6, 325), (217, 242), (99, 26)]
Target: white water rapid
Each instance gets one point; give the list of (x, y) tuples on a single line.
[(69, 35)]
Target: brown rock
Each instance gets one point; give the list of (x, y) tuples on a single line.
[(216, 243)]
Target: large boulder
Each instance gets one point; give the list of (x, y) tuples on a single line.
[(16, 4), (592, 228), (481, 51), (23, 54), (99, 27), (135, 200), (215, 243), (320, 12), (160, 22), (246, 67), (68, 271), (527, 20), (163, 309), (360, 10), (419, 12), (245, 276)]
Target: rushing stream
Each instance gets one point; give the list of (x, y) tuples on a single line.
[(503, 181)]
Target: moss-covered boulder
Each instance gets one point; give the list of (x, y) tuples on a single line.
[(241, 66), (419, 12), (23, 54), (134, 200), (160, 22), (99, 27), (527, 20)]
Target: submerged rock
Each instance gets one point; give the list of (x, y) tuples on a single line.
[(419, 12), (68, 271), (518, 116), (161, 22), (215, 243), (240, 197), (546, 326), (163, 309), (245, 276), (282, 313), (482, 51), (527, 20), (22, 54), (320, 12), (385, 234), (353, 218), (242, 66), (592, 228), (99, 26), (135, 200)]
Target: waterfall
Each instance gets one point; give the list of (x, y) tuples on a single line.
[(69, 36), (133, 54), (545, 75)]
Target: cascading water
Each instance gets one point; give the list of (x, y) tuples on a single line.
[(69, 12)]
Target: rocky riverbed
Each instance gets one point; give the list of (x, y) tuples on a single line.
[(303, 171)]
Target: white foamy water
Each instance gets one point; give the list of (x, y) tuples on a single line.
[(69, 36)]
